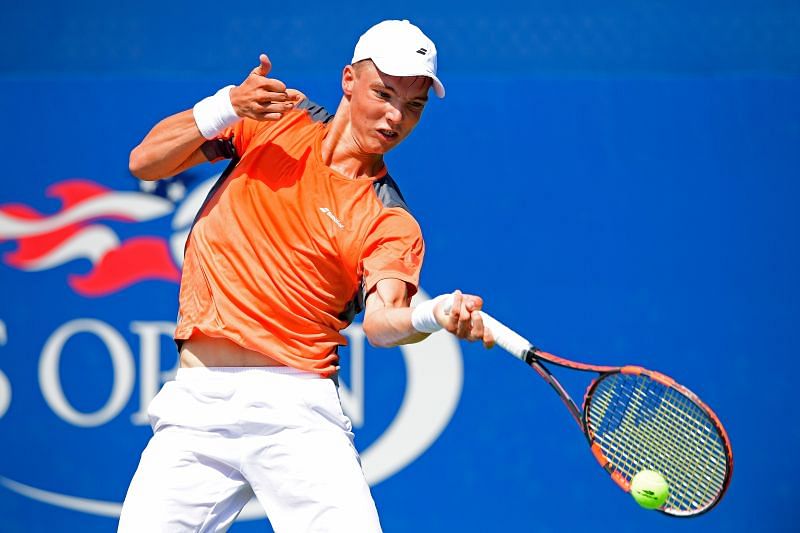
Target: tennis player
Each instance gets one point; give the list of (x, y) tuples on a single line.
[(303, 230)]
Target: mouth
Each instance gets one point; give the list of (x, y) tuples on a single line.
[(388, 135)]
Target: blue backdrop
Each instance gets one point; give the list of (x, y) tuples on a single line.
[(618, 180)]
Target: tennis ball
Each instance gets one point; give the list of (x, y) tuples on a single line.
[(649, 489)]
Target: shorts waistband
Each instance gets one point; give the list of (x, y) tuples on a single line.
[(203, 371)]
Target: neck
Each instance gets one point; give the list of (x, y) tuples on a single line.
[(341, 152)]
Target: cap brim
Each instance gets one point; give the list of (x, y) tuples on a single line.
[(386, 66)]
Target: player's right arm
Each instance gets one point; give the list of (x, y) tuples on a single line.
[(174, 144)]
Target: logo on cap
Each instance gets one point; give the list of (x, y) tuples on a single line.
[(422, 51)]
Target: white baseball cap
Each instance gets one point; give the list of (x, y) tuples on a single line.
[(399, 48)]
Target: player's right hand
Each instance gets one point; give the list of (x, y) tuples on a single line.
[(260, 97), (463, 318)]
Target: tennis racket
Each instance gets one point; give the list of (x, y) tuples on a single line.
[(636, 419)]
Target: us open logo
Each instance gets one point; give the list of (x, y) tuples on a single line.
[(112, 232)]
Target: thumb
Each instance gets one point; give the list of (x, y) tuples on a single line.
[(265, 66)]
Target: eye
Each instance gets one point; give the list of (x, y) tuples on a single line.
[(382, 94)]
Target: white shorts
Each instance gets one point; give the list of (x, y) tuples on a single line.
[(223, 434)]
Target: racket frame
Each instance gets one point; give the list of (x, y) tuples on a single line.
[(535, 358), (521, 348)]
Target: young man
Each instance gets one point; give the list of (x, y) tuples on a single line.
[(305, 230)]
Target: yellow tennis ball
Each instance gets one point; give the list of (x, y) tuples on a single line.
[(649, 489)]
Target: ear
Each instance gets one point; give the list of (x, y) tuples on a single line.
[(348, 80)]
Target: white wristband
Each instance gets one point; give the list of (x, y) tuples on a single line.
[(215, 113), (422, 317)]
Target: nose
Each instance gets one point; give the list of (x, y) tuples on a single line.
[(393, 114)]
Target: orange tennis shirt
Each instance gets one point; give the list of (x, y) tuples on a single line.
[(285, 247)]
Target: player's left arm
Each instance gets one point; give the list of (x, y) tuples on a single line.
[(387, 316)]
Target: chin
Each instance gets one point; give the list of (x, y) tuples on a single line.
[(383, 146), (379, 148), (371, 144)]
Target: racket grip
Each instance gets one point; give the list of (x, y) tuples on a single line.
[(505, 337)]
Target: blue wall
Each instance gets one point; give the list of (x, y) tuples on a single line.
[(619, 180)]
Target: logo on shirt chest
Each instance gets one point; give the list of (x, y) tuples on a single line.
[(331, 216)]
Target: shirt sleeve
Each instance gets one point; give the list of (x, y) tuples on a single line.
[(234, 140), (394, 248), (245, 131)]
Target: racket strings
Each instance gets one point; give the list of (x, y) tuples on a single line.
[(642, 424)]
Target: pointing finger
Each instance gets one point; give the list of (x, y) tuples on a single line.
[(464, 322), (455, 309)]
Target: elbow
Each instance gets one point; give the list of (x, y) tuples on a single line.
[(136, 164), (379, 343), (139, 166), (374, 338)]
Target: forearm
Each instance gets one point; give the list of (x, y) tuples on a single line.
[(391, 326), (389, 321), (171, 146)]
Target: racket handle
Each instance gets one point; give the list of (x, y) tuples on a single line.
[(505, 337)]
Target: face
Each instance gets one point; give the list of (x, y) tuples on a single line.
[(384, 109)]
